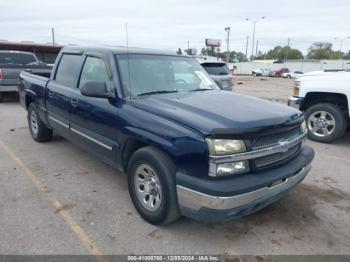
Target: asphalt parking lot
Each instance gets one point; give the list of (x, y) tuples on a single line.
[(57, 199)]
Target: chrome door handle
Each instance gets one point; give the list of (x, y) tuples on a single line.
[(74, 102), (51, 93)]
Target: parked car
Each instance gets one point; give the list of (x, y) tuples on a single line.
[(220, 74), (278, 73), (324, 97), (261, 72), (294, 74), (12, 63), (188, 148)]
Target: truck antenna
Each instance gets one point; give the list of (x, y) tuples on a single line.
[(127, 52)]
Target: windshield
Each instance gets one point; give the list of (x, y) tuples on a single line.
[(16, 59), (216, 69), (156, 74)]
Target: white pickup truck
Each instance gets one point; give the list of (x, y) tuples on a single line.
[(324, 97)]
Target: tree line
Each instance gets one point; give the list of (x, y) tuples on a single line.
[(318, 50)]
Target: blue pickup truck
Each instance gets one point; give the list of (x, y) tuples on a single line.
[(187, 147)]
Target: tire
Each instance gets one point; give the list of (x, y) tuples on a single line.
[(167, 209), (289, 76), (39, 131), (336, 123), (1, 97)]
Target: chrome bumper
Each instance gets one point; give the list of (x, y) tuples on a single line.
[(195, 200), (295, 102)]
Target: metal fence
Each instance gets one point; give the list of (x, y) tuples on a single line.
[(301, 65)]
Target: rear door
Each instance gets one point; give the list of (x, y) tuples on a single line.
[(59, 92), (93, 120)]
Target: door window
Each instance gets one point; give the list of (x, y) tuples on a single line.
[(95, 70), (67, 70)]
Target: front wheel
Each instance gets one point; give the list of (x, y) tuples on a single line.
[(325, 122), (152, 186)]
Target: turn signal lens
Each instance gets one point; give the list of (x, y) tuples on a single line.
[(303, 127), (232, 168)]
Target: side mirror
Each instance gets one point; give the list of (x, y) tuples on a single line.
[(96, 89)]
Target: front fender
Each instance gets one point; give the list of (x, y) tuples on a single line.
[(184, 146)]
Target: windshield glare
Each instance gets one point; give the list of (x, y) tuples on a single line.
[(143, 74)]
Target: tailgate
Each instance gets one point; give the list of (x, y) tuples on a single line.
[(10, 75)]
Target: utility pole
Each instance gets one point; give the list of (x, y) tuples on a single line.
[(254, 24), (227, 29), (288, 46), (253, 41), (53, 35), (256, 51), (188, 45), (246, 47), (341, 44)]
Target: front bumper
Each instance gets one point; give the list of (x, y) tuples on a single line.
[(295, 102), (203, 205)]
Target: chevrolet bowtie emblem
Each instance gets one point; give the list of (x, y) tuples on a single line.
[(284, 144)]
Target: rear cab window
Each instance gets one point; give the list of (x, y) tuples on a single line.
[(216, 68), (67, 70), (17, 59)]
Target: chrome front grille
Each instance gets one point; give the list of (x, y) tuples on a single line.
[(265, 161), (272, 140)]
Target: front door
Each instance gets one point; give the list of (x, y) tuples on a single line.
[(93, 119)]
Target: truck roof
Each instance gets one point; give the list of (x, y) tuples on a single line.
[(118, 50)]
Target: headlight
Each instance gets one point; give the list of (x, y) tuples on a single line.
[(296, 88), (303, 127), (219, 147)]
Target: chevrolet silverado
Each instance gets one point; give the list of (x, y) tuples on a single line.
[(187, 147)]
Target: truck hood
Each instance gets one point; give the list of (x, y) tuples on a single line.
[(206, 111)]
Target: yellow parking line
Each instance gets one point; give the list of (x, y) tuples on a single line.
[(73, 225)]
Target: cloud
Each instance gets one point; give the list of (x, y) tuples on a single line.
[(168, 24)]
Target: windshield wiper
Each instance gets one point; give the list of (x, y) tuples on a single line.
[(158, 92), (201, 89)]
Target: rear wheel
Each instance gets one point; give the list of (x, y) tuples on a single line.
[(1, 97), (326, 122), (38, 129), (152, 187)]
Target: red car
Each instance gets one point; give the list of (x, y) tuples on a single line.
[(278, 73)]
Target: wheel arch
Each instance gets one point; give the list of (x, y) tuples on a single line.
[(133, 144), (28, 100), (314, 98)]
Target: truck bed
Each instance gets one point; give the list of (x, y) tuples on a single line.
[(34, 84)]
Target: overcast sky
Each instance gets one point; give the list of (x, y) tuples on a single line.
[(165, 24)]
